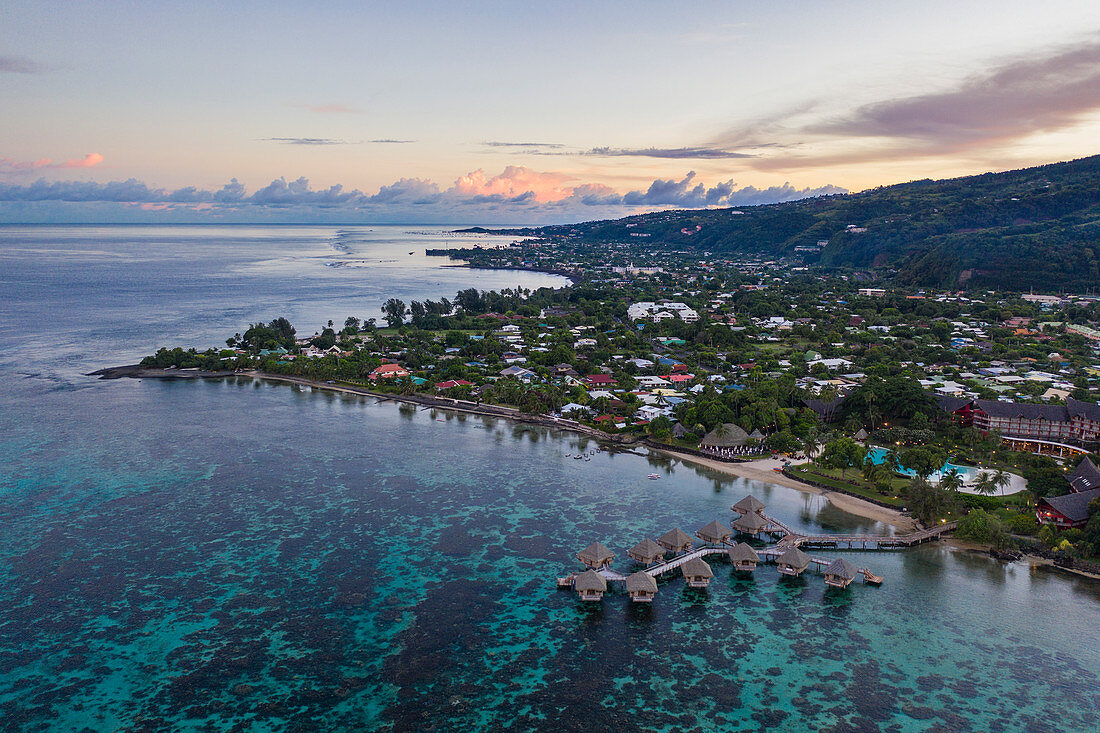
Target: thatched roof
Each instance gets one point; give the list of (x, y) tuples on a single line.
[(696, 568), (646, 551), (756, 435), (589, 580), (841, 568), (595, 554), (749, 523), (674, 539), (742, 553), (714, 532), (860, 435), (748, 505), (729, 435), (795, 558), (640, 581)]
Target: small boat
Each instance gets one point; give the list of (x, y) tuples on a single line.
[(587, 458), (654, 476), (577, 458)]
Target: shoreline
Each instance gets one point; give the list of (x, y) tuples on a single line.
[(761, 470), (758, 470)]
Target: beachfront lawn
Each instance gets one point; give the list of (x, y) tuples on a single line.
[(852, 483)]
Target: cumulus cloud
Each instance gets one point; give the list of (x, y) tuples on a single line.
[(20, 65), (515, 181), (517, 194), (682, 194)]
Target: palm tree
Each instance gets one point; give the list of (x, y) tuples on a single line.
[(951, 481), (985, 485), (891, 461), (1001, 479)]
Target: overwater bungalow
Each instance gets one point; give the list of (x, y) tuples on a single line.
[(596, 556), (714, 533), (751, 524), (641, 587), (743, 557), (676, 541), (590, 586), (749, 505), (793, 562), (840, 573), (697, 573), (646, 552)]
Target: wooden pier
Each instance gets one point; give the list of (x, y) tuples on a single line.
[(786, 540)]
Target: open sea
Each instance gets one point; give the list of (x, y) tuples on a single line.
[(240, 555)]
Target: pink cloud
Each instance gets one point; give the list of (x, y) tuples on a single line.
[(10, 165), (88, 161), (516, 181)]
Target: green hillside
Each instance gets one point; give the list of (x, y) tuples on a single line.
[(1033, 228)]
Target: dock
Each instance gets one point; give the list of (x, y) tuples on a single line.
[(597, 558)]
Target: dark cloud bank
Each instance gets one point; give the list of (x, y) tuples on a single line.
[(404, 201)]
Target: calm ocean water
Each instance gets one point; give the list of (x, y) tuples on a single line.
[(241, 555)]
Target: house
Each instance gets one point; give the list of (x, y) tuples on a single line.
[(1064, 512), (574, 407), (520, 373), (389, 371), (1086, 477), (599, 380), (450, 383), (652, 412)]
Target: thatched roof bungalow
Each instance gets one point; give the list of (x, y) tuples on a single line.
[(793, 562), (641, 587), (729, 435), (743, 557), (714, 533), (749, 505), (590, 586), (750, 524), (596, 556), (646, 552), (697, 573), (840, 573), (676, 540)]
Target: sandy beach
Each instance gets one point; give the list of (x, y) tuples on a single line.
[(763, 470)]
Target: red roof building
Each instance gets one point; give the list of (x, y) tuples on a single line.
[(599, 380), (389, 371)]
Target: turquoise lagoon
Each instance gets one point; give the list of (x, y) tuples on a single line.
[(239, 555)]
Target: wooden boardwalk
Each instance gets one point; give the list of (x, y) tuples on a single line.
[(788, 538)]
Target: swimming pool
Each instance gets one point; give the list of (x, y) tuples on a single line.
[(969, 474)]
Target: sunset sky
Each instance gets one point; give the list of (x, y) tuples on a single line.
[(509, 112)]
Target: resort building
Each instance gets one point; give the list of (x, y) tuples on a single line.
[(793, 562), (646, 552), (641, 587), (1074, 422), (697, 573), (840, 573), (751, 524), (743, 557), (590, 586), (714, 533), (1065, 512), (1086, 477), (749, 505), (596, 556), (675, 541)]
